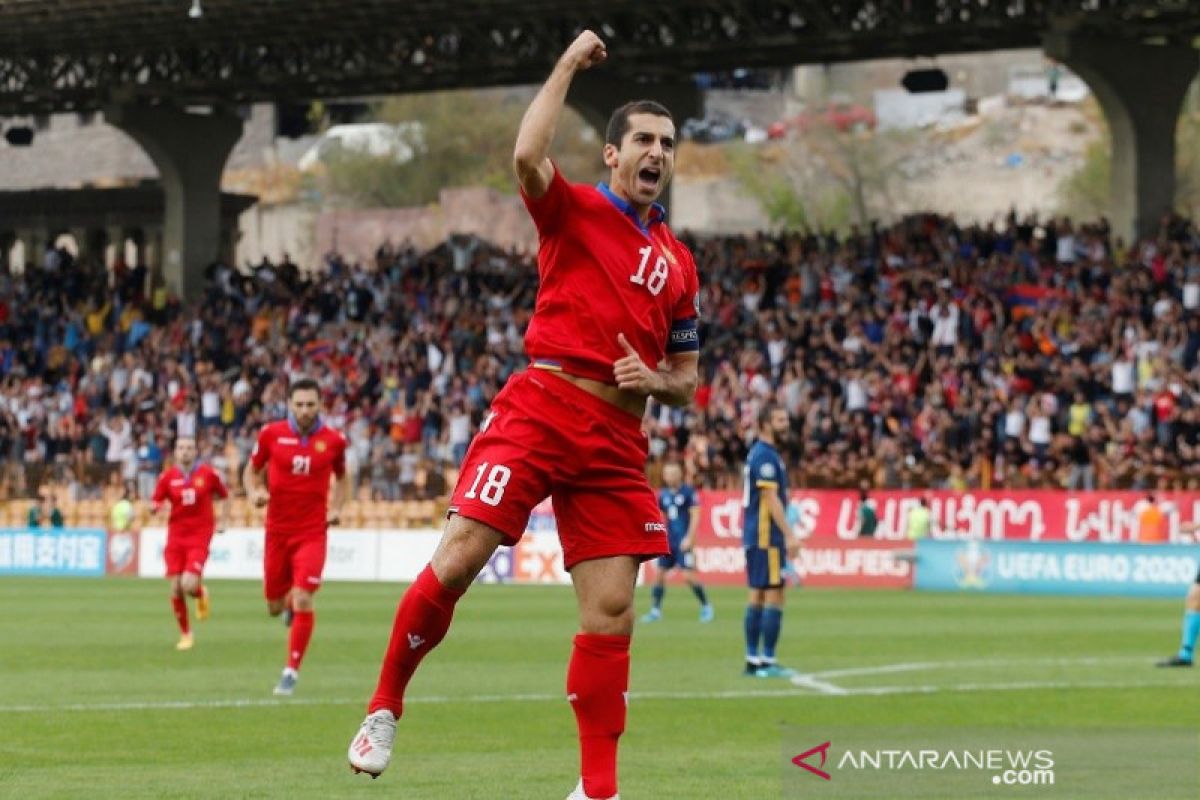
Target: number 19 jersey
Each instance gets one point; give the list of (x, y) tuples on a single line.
[(298, 471)]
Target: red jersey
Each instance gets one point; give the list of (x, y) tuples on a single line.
[(601, 274), (298, 470), (191, 497)]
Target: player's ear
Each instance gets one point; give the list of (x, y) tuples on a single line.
[(611, 156)]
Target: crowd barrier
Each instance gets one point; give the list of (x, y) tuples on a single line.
[(1036, 541)]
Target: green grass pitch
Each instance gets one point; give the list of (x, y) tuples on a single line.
[(95, 702)]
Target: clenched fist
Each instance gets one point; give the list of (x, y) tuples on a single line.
[(586, 51)]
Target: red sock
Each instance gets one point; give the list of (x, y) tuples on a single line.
[(180, 606), (597, 683), (300, 633), (422, 620)]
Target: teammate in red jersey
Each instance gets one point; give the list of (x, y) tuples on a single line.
[(190, 488), (296, 457), (618, 297)]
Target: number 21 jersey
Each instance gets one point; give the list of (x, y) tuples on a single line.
[(298, 470)]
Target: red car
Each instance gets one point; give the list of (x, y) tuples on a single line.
[(842, 117)]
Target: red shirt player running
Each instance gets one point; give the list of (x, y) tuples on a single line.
[(618, 296), (190, 488), (296, 456)]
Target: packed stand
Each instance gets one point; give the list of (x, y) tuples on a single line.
[(921, 354)]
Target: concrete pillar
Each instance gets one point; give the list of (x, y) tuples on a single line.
[(1141, 89), (115, 247), (595, 95), (190, 151)]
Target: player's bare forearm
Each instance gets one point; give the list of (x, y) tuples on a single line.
[(679, 380), (223, 520), (254, 482), (778, 514), (674, 385), (531, 155), (341, 493), (251, 480)]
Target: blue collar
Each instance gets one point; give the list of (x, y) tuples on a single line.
[(295, 426), (657, 212), (187, 476)]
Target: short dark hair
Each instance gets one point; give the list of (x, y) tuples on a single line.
[(765, 414), (618, 123), (303, 384)]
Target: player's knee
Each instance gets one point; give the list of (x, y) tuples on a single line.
[(274, 607), (302, 601), (463, 551), (1193, 598), (608, 613)]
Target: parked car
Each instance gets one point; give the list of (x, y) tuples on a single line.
[(717, 128), (842, 117)]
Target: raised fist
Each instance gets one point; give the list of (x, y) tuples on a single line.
[(586, 51)]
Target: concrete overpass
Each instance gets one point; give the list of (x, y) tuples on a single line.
[(174, 82)]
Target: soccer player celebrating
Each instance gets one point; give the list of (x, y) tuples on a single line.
[(618, 297), (297, 456), (766, 537), (189, 487), (678, 503)]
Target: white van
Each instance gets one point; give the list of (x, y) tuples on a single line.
[(370, 138)]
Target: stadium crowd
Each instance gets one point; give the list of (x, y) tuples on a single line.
[(925, 353)]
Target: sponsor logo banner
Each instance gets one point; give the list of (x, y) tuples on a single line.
[(1034, 515), (122, 553), (52, 551), (1135, 570)]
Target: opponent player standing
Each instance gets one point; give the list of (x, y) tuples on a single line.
[(618, 296), (1191, 618), (297, 456), (190, 488), (767, 542), (678, 503)]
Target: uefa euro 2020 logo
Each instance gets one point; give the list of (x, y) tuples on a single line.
[(973, 563)]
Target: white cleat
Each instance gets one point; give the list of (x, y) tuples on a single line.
[(371, 749), (287, 683), (579, 794)]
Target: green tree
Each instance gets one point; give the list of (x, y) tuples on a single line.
[(823, 177), (464, 138)]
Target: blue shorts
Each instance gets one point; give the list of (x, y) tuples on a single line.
[(764, 567), (678, 558)]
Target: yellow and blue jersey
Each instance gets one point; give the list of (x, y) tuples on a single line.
[(764, 541), (677, 505), (764, 472)]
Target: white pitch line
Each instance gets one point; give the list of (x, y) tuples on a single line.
[(1010, 687), (805, 686), (167, 705), (917, 666), (817, 685)]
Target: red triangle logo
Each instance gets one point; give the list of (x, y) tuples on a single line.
[(823, 749)]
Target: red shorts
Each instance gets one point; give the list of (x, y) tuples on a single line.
[(290, 560), (546, 436), (185, 555)]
